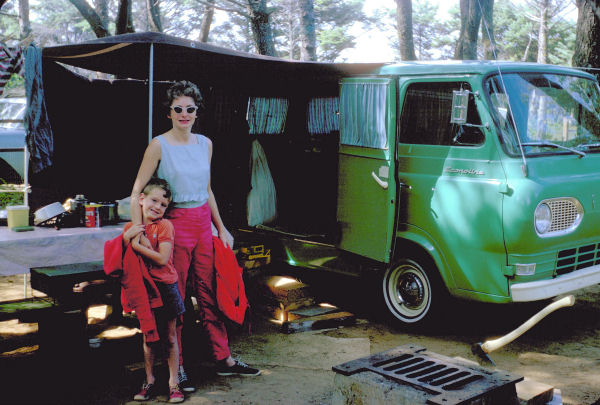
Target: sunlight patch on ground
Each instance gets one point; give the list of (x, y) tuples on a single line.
[(118, 332), (97, 313), (21, 351), (15, 328)]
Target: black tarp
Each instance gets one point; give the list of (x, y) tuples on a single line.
[(100, 127)]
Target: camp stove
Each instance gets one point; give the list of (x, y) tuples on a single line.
[(445, 380)]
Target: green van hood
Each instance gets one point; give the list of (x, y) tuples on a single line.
[(555, 176)]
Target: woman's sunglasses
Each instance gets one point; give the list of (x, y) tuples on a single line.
[(189, 109)]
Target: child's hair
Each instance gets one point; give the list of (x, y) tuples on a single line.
[(155, 182)]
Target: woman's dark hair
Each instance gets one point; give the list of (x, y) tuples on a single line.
[(183, 88)]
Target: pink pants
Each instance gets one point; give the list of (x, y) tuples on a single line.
[(194, 251)]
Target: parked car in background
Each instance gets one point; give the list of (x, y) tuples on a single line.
[(12, 135)]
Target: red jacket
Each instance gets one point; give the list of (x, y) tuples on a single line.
[(138, 291), (231, 295)]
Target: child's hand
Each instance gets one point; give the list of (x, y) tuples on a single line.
[(132, 232), (135, 242), (144, 241)]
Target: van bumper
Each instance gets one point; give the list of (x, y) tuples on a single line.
[(542, 289)]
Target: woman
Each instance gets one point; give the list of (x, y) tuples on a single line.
[(183, 159)]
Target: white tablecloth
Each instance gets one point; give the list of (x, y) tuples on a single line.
[(20, 251)]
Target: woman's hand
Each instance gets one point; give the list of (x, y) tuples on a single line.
[(226, 237)]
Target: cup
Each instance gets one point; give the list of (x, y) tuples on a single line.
[(17, 215)]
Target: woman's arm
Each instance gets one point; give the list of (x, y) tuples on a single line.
[(145, 172), (161, 257), (224, 234)]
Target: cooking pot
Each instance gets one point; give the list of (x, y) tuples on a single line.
[(48, 212)]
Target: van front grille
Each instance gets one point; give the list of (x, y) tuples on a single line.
[(578, 258)]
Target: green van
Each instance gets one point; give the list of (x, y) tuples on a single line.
[(477, 179)]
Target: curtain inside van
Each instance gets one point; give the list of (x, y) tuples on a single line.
[(362, 114), (323, 113), (267, 115)]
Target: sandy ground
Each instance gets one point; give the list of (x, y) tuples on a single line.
[(562, 351)]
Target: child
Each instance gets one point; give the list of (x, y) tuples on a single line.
[(153, 240)]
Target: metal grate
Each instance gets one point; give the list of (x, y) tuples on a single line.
[(446, 380), (578, 258), (564, 214)]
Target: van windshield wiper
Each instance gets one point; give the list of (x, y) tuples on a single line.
[(589, 146), (554, 145)]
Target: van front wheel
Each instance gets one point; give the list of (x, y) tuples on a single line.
[(407, 292)]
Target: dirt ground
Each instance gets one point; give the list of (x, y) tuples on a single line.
[(563, 351)]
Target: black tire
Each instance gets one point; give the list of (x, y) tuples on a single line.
[(412, 292)]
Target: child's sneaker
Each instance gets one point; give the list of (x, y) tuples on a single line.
[(184, 381), (175, 395), (147, 392)]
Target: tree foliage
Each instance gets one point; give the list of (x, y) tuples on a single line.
[(334, 18), (517, 35), (235, 23)]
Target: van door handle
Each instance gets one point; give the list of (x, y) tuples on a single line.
[(382, 184)]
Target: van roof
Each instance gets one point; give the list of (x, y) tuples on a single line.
[(479, 67)]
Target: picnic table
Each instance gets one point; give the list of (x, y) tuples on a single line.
[(20, 251), (57, 261)]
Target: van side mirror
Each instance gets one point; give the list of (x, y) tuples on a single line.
[(460, 102)]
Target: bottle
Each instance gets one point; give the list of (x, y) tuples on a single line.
[(80, 202)]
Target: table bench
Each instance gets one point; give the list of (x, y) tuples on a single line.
[(58, 283)]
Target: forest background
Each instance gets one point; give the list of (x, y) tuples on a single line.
[(564, 32)]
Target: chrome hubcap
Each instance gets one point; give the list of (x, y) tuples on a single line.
[(410, 290)]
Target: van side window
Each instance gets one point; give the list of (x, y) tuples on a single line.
[(362, 114), (425, 118)]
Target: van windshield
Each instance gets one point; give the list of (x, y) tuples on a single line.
[(554, 114)]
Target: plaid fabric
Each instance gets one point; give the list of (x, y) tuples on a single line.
[(11, 61)]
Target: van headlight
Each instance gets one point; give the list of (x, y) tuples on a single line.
[(557, 216), (542, 218)]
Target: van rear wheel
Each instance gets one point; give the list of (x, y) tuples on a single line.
[(408, 290)]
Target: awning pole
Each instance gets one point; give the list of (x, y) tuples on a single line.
[(150, 91)]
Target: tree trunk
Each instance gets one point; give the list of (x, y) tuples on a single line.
[(261, 27), (291, 36), (91, 17), (24, 24), (405, 29), (487, 30), (101, 7), (308, 50), (153, 11), (526, 53), (124, 19), (587, 46), (207, 17), (542, 56), (470, 16)]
